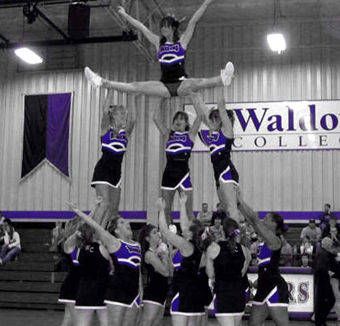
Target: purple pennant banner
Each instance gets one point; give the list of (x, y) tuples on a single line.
[(46, 132), (57, 131)]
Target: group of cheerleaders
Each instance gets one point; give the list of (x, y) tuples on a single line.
[(106, 264)]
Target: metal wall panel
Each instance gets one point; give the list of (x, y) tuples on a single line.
[(290, 180)]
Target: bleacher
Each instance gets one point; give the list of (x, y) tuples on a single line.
[(33, 282)]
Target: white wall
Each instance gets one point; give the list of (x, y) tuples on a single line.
[(270, 180)]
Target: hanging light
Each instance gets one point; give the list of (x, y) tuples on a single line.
[(276, 40), (29, 56)]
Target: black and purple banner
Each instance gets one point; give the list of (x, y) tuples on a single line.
[(46, 132)]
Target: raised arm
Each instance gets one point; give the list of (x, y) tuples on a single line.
[(227, 126), (131, 118), (201, 109), (71, 242), (160, 265), (106, 117), (247, 260), (269, 237), (199, 106), (152, 38), (111, 242), (184, 246), (189, 32), (163, 129), (212, 252)]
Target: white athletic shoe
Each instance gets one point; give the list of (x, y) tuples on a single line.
[(227, 74), (93, 78), (173, 228)]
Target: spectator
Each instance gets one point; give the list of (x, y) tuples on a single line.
[(325, 216), (324, 299), (304, 261), (217, 229), (220, 214), (332, 229), (11, 247), (205, 216), (307, 248), (312, 232), (296, 256), (286, 253)]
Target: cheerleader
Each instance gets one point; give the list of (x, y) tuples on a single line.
[(69, 287), (116, 127), (123, 290), (156, 264), (272, 291), (181, 137), (227, 264), (94, 272), (171, 54), (219, 139), (187, 305)]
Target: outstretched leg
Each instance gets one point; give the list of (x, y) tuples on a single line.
[(195, 84), (189, 204), (227, 195), (157, 88), (103, 210), (151, 88), (168, 196)]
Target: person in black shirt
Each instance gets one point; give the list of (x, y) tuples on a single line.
[(219, 213), (227, 264), (156, 264), (324, 262)]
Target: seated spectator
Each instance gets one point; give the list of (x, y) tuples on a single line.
[(217, 229), (307, 248), (11, 247), (312, 232), (325, 216), (332, 229), (305, 261), (220, 213), (57, 236), (286, 258), (205, 216), (296, 255)]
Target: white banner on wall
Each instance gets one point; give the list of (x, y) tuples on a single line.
[(301, 291), (300, 125)]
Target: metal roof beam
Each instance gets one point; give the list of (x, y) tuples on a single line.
[(126, 37)]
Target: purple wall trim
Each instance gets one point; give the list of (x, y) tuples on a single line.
[(52, 215), (300, 315), (301, 215), (288, 270), (288, 215), (142, 215)]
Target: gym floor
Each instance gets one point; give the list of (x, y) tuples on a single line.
[(53, 318)]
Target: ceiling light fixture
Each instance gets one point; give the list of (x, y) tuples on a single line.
[(276, 40), (29, 56)]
